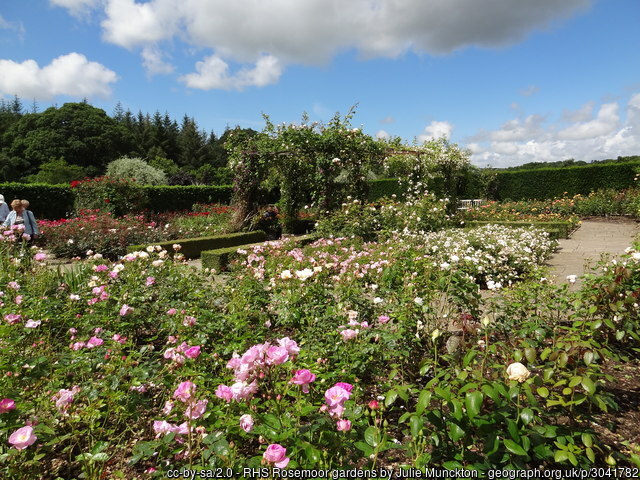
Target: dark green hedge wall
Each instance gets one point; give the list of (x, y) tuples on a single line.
[(172, 198), (56, 201), (554, 182), (46, 201)]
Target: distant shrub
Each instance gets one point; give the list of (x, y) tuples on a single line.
[(116, 196), (137, 169)]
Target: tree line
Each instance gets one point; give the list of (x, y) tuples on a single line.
[(76, 140)]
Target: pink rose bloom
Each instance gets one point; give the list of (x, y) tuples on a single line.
[(161, 427), (383, 319), (348, 334), (118, 338), (125, 310), (64, 397), (150, 281), (168, 406), (276, 455), (246, 422), (304, 378), (77, 346), (347, 386), (192, 352), (336, 410), (196, 411), (336, 396), (189, 321), (73, 331), (182, 347), (181, 429), (343, 425), (6, 405), (243, 390), (277, 355), (22, 438), (14, 285), (290, 345), (94, 342), (224, 392), (12, 318), (184, 392), (169, 353), (100, 268), (172, 311), (39, 257), (113, 274), (18, 299), (32, 323)]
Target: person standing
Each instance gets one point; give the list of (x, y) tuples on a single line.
[(4, 209), (20, 216)]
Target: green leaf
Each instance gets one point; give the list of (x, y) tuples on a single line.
[(514, 448), (543, 392), (588, 385), (456, 433), (587, 440), (588, 358), (575, 381), (590, 454), (372, 436), (423, 401), (473, 402), (364, 448), (391, 397), (560, 456), (526, 415), (416, 423), (313, 455)]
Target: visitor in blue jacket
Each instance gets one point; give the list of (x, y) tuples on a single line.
[(21, 216)]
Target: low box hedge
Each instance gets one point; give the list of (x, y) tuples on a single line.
[(193, 247), (220, 258), (555, 229)]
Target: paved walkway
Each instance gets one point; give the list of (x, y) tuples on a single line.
[(587, 244)]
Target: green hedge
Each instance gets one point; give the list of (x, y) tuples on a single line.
[(220, 258), (193, 247), (46, 201), (546, 183), (555, 229), (176, 197), (385, 187)]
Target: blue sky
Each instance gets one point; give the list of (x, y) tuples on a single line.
[(512, 80)]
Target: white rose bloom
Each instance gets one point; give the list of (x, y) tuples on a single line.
[(518, 371), (285, 275)]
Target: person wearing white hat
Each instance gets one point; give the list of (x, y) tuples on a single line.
[(4, 209)]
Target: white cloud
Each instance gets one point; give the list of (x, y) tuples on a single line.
[(583, 114), (436, 130), (530, 90), (77, 8), (388, 120), (70, 74), (579, 135), (153, 62), (313, 31), (15, 26), (130, 24), (382, 134), (605, 123), (213, 73)]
